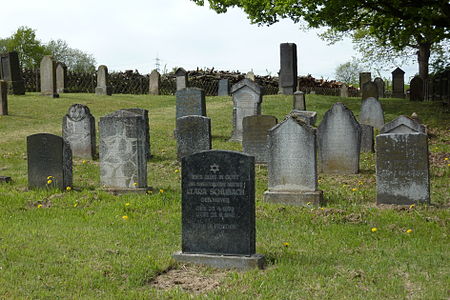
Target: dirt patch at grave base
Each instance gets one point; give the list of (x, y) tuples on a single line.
[(192, 279)]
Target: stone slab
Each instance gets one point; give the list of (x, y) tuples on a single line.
[(243, 263)]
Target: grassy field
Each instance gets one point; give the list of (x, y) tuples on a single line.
[(87, 244)]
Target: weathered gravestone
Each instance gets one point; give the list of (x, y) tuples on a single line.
[(402, 169), (416, 92), (181, 78), (154, 83), (48, 77), (403, 124), (3, 98), (369, 90), (367, 144), (398, 83), (343, 92), (339, 140), (380, 86), (103, 87), (190, 101), (293, 164), (144, 114), (247, 100), (123, 163), (193, 135), (288, 68), (79, 131), (218, 210), (371, 113), (308, 117), (299, 101), (11, 72), (224, 87), (61, 77), (363, 78), (250, 75), (254, 138), (49, 161)]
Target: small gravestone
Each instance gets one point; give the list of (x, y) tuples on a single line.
[(11, 72), (363, 78), (190, 101), (181, 78), (49, 161), (402, 169), (103, 87), (292, 164), (154, 83), (416, 89), (380, 86), (247, 100), (224, 87), (218, 210), (3, 98), (372, 113), (61, 77), (339, 141), (144, 114), (288, 68), (308, 117), (367, 144), (193, 135), (403, 124), (79, 131), (123, 162), (48, 77), (343, 91), (250, 75), (254, 139), (398, 83), (299, 101), (369, 90)]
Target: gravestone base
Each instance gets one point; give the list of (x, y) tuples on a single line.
[(398, 95), (53, 95), (295, 198), (287, 90), (121, 191), (240, 262), (103, 91)]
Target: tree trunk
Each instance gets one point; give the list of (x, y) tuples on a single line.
[(423, 58)]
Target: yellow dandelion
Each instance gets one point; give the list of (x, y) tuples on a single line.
[(49, 181), (286, 244), (176, 171), (127, 204), (412, 206), (39, 206), (68, 188), (374, 229), (125, 218), (354, 189), (135, 184), (84, 161), (161, 191), (322, 208), (409, 231), (75, 204), (448, 165), (49, 177), (360, 183), (446, 158)]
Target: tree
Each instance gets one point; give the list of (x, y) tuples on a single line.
[(75, 60), (348, 72)]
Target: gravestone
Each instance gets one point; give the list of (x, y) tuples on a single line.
[(224, 87), (3, 98), (402, 169), (369, 90), (190, 101), (254, 138), (363, 78), (48, 77), (403, 124), (380, 86), (339, 140), (154, 83), (11, 72), (367, 144), (371, 113), (123, 162), (79, 131), (193, 135), (398, 83), (293, 164), (299, 101), (144, 114), (308, 117), (181, 78), (416, 89), (250, 75), (288, 68), (218, 210), (49, 161), (343, 92), (103, 87), (61, 77), (247, 100)]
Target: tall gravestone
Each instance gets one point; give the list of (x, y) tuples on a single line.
[(11, 72), (154, 83), (3, 98), (193, 135), (181, 78), (402, 169), (103, 87), (190, 101), (144, 115), (416, 92), (369, 89), (61, 77), (343, 91), (247, 100), (403, 124), (398, 83), (299, 101), (48, 77), (79, 131), (363, 78), (49, 161), (367, 143), (380, 86), (224, 87), (308, 117), (254, 138), (123, 162), (339, 141), (218, 210), (372, 113), (288, 68), (293, 164)]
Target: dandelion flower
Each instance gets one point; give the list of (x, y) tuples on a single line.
[(127, 204), (412, 206), (446, 158), (68, 188), (125, 218), (176, 171), (286, 244), (374, 229), (75, 204), (360, 183), (49, 181), (84, 161), (161, 191), (448, 165), (49, 177), (135, 184), (354, 189), (39, 206), (409, 231)]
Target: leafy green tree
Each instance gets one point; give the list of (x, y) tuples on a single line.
[(75, 60), (348, 72)]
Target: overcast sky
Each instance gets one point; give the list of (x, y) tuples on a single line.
[(130, 34)]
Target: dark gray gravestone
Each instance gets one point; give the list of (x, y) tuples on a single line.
[(48, 77), (403, 124), (402, 169), (299, 101), (371, 113), (363, 78), (123, 162), (11, 72), (49, 158), (416, 89), (103, 87), (193, 135), (288, 68), (293, 164), (369, 90), (144, 114), (380, 86), (181, 78), (343, 92), (79, 131), (367, 144), (247, 100), (3, 98), (224, 87), (218, 210), (254, 139), (154, 83), (190, 101), (339, 140), (308, 117), (61, 77), (398, 83)]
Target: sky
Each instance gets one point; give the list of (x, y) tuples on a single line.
[(129, 35)]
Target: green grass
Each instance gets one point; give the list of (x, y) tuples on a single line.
[(76, 245)]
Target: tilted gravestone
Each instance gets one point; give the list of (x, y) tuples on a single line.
[(299, 101), (254, 138), (123, 163), (193, 135), (403, 124), (416, 92), (11, 72), (367, 143), (339, 140), (103, 87), (48, 77), (398, 83), (247, 100), (288, 68), (154, 83), (181, 79), (79, 131), (380, 86), (61, 77), (218, 210), (309, 117), (371, 113), (369, 90), (402, 169), (363, 78), (224, 87), (49, 161), (144, 114), (3, 98), (292, 164), (343, 92), (190, 101)]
